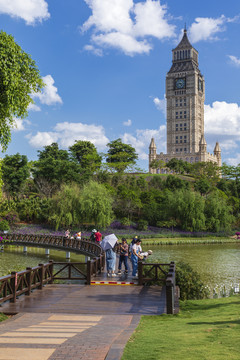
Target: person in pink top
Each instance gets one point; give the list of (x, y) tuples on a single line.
[(98, 236)]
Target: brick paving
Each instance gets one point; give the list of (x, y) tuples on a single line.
[(76, 322), (33, 336)]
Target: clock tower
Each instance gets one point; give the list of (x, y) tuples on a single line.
[(185, 95)]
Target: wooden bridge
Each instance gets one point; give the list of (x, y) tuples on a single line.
[(161, 298)]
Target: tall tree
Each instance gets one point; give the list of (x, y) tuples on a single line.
[(86, 155), (15, 172), (19, 78), (120, 156), (96, 204), (53, 168)]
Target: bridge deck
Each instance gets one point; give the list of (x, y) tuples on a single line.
[(101, 299)]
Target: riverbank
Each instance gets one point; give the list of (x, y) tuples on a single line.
[(152, 236), (192, 241), (204, 329)]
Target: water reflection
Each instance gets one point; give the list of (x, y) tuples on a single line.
[(14, 259), (218, 264)]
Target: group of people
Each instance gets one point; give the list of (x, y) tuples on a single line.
[(134, 251)]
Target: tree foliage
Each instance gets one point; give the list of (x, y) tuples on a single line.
[(66, 207), (53, 168), (120, 156), (85, 153), (19, 78), (15, 172), (96, 204)]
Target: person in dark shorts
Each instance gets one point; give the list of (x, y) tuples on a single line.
[(123, 258)]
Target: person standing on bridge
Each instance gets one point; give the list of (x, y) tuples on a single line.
[(123, 257), (136, 251), (98, 237)]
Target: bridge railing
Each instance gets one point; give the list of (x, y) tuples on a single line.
[(23, 282), (83, 245), (160, 274)]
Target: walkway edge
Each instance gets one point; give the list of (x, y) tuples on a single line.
[(116, 350)]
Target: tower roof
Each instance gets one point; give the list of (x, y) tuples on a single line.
[(152, 144), (184, 43), (217, 147), (202, 141)]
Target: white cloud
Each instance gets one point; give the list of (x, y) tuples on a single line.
[(222, 118), (228, 144), (49, 94), (142, 138), (20, 124), (127, 123), (29, 10), (160, 104), (207, 28), (234, 60), (233, 160), (66, 133), (93, 50), (126, 25), (33, 107)]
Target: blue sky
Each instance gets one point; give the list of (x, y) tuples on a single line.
[(104, 63)]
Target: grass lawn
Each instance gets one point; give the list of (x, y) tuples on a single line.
[(189, 240), (203, 330)]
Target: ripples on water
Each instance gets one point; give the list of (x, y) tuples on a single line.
[(218, 264), (14, 259)]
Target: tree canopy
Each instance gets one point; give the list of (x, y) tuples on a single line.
[(85, 153), (19, 78), (120, 155), (15, 171)]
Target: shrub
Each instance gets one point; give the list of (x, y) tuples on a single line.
[(189, 282), (142, 225), (125, 221), (4, 226)]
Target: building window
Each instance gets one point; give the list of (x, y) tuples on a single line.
[(176, 150), (185, 141), (180, 149), (185, 149)]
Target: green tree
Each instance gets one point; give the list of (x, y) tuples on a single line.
[(218, 213), (96, 204), (202, 185), (86, 155), (15, 172), (187, 208), (19, 78), (120, 156), (53, 168), (66, 206)]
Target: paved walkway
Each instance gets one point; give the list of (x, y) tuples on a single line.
[(38, 336), (75, 322)]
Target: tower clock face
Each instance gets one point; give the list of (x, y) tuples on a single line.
[(180, 83)]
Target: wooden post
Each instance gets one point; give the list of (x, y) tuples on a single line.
[(41, 275), (140, 273), (51, 271), (29, 279), (89, 270), (170, 296), (170, 289), (13, 283)]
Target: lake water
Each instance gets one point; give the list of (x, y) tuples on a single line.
[(218, 264)]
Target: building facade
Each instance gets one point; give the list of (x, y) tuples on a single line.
[(185, 95)]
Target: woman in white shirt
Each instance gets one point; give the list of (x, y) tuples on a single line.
[(136, 250)]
